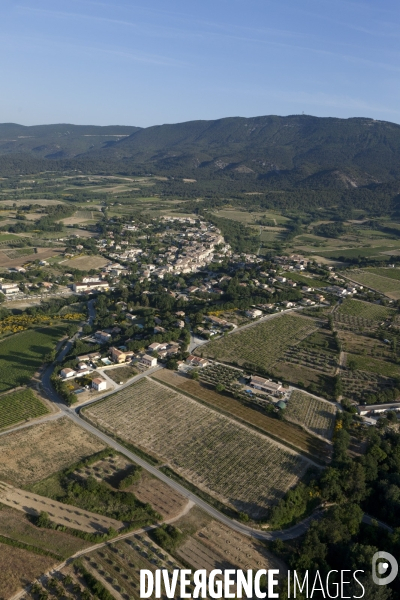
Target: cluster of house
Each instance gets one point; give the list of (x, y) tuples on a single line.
[(192, 250), (98, 383), (294, 262), (343, 292)]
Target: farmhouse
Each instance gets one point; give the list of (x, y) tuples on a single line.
[(265, 385), (155, 347), (87, 357), (99, 384), (217, 321), (102, 337), (94, 285), (9, 288), (148, 361), (67, 373), (118, 356), (195, 361), (253, 313)]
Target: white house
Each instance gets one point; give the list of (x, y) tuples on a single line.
[(99, 384), (265, 385), (67, 373), (148, 361), (253, 313)]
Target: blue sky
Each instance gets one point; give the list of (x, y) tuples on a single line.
[(148, 62)]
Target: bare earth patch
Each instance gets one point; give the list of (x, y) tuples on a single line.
[(31, 454)]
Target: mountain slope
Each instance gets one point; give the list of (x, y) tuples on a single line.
[(365, 150), (58, 141)]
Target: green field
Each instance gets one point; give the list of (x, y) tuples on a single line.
[(4, 237), (374, 365), (365, 310), (20, 406), (262, 344), (372, 280), (21, 354), (356, 252), (385, 272)]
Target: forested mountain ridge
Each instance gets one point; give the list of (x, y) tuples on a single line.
[(58, 141), (349, 151), (319, 152), (297, 161)]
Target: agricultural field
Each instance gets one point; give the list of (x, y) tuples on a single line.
[(31, 454), (22, 354), (40, 254), (245, 411), (386, 285), (215, 545), (392, 273), (85, 263), (317, 351), (261, 345), (312, 413), (117, 566), (59, 513), (365, 310), (373, 365), (18, 406), (16, 526), (19, 567), (357, 385), (224, 458), (115, 469)]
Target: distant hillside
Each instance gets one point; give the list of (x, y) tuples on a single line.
[(314, 161), (58, 141), (342, 153)]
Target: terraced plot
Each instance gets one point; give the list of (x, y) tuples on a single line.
[(314, 414), (228, 460), (262, 344)]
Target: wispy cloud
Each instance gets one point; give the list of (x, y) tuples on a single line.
[(72, 47)]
